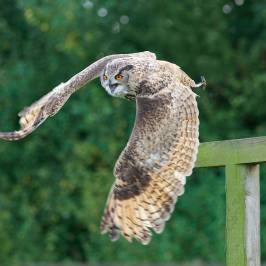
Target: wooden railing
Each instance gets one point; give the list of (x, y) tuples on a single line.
[(241, 159)]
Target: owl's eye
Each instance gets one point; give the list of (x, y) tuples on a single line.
[(119, 77), (105, 77)]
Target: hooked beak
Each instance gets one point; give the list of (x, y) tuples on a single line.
[(113, 86)]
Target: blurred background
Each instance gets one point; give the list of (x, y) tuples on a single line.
[(54, 183)]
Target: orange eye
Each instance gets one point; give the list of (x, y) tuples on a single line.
[(105, 77), (119, 77)]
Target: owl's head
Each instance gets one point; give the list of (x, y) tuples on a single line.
[(122, 77)]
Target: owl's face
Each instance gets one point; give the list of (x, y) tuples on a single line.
[(119, 78)]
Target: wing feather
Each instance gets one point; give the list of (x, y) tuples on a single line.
[(34, 115), (151, 171)]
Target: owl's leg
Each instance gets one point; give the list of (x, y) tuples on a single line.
[(202, 84)]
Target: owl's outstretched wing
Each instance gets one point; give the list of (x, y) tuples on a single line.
[(33, 116), (151, 171)]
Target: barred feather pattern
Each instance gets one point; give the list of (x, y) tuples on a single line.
[(151, 171)]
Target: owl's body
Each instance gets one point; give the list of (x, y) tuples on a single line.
[(151, 171)]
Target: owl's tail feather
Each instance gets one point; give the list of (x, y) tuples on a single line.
[(134, 217)]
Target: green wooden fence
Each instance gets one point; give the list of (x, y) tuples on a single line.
[(241, 159)]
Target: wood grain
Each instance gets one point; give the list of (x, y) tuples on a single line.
[(242, 215), (235, 216), (252, 215)]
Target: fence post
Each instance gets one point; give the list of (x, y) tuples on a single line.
[(242, 215), (253, 215)]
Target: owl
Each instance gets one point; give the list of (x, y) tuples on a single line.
[(161, 152)]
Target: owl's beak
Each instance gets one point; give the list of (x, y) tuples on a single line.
[(113, 86)]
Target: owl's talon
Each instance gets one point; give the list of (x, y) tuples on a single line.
[(202, 84)]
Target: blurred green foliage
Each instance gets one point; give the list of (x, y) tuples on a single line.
[(53, 184)]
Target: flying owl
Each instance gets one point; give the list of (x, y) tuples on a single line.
[(161, 152)]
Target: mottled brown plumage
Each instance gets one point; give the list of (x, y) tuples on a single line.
[(161, 152), (151, 171)]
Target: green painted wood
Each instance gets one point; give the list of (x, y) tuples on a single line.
[(235, 215), (238, 151), (240, 158)]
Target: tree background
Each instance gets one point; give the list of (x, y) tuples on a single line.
[(54, 183)]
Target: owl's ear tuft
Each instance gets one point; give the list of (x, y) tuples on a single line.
[(126, 68)]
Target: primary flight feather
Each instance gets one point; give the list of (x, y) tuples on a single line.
[(161, 152)]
